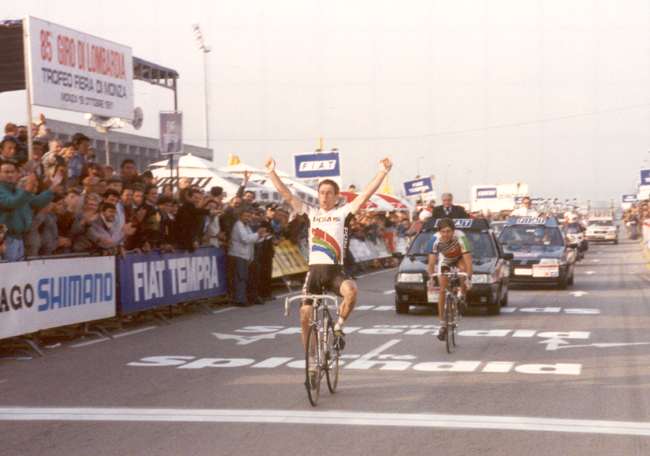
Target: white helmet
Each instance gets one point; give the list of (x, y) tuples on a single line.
[(425, 214), (571, 217)]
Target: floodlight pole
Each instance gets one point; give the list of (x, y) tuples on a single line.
[(203, 48)]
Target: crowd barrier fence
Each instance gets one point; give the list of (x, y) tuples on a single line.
[(48, 293)]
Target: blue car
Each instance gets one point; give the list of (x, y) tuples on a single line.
[(541, 255)]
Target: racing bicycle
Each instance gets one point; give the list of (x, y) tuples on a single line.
[(321, 352), (452, 312)]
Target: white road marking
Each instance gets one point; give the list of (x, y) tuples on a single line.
[(389, 292), (512, 423), (606, 345), (590, 272), (577, 294), (554, 343), (91, 342), (223, 310)]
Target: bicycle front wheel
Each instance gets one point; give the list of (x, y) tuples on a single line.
[(312, 365), (331, 359), (448, 324)]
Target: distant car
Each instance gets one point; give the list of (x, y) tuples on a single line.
[(489, 281), (602, 229), (541, 255), (497, 227)]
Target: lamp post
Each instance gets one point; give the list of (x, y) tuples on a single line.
[(418, 165), (203, 48), (103, 125)]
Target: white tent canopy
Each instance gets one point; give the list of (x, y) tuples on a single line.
[(203, 173), (298, 188)]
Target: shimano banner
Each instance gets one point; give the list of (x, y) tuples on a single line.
[(42, 294)]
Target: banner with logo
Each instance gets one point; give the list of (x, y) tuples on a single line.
[(309, 166), (171, 133), (631, 199), (418, 186), (77, 72), (42, 294), (160, 279)]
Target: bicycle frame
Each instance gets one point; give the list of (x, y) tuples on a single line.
[(323, 353), (451, 314)]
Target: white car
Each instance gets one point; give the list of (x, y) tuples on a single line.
[(602, 229)]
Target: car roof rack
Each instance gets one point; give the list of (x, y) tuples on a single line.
[(550, 222), (477, 224)]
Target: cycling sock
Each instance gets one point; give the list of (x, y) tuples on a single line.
[(339, 324)]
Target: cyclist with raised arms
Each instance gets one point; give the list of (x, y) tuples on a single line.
[(328, 237), (451, 247)]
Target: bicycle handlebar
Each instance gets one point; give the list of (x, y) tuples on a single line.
[(287, 301), (461, 274)]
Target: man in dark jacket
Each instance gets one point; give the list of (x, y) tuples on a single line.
[(189, 222), (448, 210)]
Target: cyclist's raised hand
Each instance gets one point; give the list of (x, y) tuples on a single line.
[(385, 165), (269, 165)]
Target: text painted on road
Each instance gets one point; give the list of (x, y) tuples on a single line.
[(384, 362), (250, 334)]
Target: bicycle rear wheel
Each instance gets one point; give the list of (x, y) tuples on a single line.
[(313, 364), (331, 358), (454, 321), (448, 323)]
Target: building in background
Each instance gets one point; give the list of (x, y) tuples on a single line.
[(140, 149)]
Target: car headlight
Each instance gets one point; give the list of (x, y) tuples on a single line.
[(483, 278), (410, 277), (547, 261)]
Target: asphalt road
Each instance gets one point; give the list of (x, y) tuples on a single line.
[(558, 372)]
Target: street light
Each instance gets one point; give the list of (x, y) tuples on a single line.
[(446, 186), (203, 48), (418, 165), (103, 125)]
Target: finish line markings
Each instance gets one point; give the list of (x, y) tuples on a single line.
[(326, 418)]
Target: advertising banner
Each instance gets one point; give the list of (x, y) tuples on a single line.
[(631, 199), (43, 294), (418, 186), (77, 72), (644, 176), (496, 198), (160, 279), (309, 166), (171, 133)]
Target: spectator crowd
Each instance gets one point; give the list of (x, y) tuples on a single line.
[(63, 201)]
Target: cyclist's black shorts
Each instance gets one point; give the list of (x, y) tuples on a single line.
[(322, 278)]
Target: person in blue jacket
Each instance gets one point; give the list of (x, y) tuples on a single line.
[(17, 207)]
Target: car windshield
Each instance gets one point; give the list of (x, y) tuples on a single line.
[(479, 242), (531, 235), (601, 223)]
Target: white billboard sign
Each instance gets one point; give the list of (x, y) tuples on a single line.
[(496, 198), (41, 294), (77, 72)]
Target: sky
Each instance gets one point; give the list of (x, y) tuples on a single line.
[(551, 93)]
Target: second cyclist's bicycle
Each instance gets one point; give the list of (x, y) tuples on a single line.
[(452, 313), (321, 352)]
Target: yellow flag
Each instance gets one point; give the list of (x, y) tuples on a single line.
[(234, 160)]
